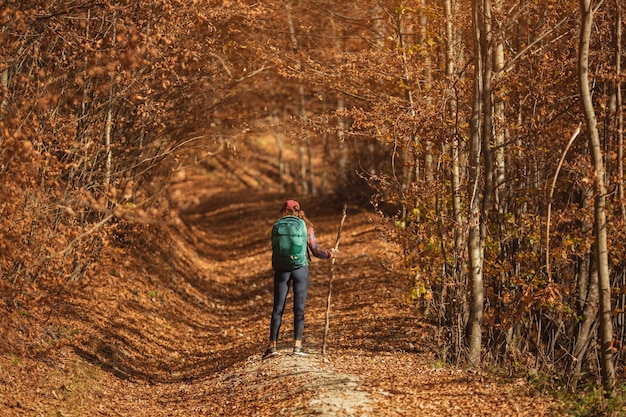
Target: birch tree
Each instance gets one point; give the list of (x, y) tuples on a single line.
[(475, 248), (600, 218)]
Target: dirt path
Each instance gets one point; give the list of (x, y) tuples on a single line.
[(292, 385), (178, 330), (380, 359)]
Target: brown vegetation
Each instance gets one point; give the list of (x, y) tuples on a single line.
[(133, 134), (177, 318)]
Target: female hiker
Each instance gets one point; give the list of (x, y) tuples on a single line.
[(293, 237)]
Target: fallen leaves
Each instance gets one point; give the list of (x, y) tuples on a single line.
[(180, 329)]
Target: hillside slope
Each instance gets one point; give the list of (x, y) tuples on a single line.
[(177, 319)]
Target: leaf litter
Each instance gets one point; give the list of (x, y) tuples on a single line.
[(175, 320)]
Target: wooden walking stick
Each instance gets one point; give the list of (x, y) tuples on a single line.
[(330, 281)]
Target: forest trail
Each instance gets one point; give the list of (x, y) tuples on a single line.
[(183, 332)]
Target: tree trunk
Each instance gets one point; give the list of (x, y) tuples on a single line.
[(4, 82), (488, 114), (342, 162), (475, 252), (481, 137), (308, 184), (109, 123), (600, 223), (411, 156), (500, 136), (457, 300), (429, 167), (619, 117), (281, 158), (585, 329), (342, 166), (585, 262), (302, 160)]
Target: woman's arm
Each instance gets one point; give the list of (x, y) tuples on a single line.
[(315, 248)]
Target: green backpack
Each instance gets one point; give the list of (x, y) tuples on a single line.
[(289, 243)]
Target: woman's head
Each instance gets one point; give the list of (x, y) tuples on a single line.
[(291, 206)]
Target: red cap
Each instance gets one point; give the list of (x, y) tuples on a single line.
[(291, 205)]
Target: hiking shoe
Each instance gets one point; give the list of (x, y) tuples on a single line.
[(271, 351), (298, 350)]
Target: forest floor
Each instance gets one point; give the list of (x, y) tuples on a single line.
[(175, 322)]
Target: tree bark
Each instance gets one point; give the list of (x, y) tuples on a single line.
[(4, 81), (600, 222), (428, 144), (619, 116), (457, 300), (109, 121), (585, 329), (411, 166), (500, 136), (475, 251), (308, 184), (585, 262), (481, 137), (280, 156)]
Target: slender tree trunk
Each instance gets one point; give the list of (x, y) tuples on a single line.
[(585, 262), (452, 115), (423, 33), (457, 301), (619, 122), (619, 133), (342, 161), (600, 223), (475, 252), (280, 156), (500, 185), (586, 330), (411, 165), (109, 122), (311, 187), (488, 113), (302, 160), (481, 137), (308, 184), (4, 81), (500, 136), (342, 173)]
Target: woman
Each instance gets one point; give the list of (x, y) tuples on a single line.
[(293, 238)]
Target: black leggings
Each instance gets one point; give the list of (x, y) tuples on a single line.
[(282, 279)]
